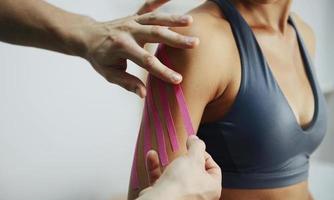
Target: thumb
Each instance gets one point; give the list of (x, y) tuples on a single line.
[(126, 81), (153, 166), (212, 167), (196, 149)]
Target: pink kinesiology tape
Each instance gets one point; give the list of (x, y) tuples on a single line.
[(150, 113), (159, 130), (147, 130), (179, 94), (184, 111), (168, 115)]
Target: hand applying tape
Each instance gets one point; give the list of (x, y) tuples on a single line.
[(190, 176)]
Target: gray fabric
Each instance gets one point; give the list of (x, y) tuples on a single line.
[(259, 143)]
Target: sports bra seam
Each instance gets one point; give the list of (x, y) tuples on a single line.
[(292, 172)]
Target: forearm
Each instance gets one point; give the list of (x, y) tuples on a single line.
[(38, 24)]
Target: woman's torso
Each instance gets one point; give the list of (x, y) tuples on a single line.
[(298, 191), (287, 67)]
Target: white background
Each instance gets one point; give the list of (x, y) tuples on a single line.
[(66, 134)]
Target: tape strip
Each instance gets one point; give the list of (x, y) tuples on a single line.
[(159, 130), (168, 115), (184, 110), (179, 95), (147, 131)]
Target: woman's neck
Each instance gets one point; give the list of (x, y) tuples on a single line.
[(267, 16)]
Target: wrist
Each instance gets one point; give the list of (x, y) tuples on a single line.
[(164, 191), (74, 34), (168, 190)]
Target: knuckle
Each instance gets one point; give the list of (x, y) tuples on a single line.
[(149, 61), (120, 42), (153, 16), (117, 41), (124, 44), (127, 26), (156, 31)]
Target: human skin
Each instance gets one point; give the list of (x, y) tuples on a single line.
[(177, 181), (106, 45), (212, 73)]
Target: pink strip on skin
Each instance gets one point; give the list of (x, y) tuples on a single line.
[(159, 132), (184, 111), (147, 131), (179, 95), (167, 113)]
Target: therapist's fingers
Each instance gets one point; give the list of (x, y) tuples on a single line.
[(126, 81), (164, 19), (161, 34), (211, 166), (152, 64), (196, 149), (150, 5), (153, 166)]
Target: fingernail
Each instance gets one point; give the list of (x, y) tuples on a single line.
[(185, 18), (176, 78), (191, 40)]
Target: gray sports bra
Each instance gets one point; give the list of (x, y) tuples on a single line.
[(259, 143)]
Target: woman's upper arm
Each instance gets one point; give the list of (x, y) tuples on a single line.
[(164, 127)]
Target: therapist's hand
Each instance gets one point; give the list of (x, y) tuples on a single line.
[(110, 44), (106, 45), (193, 176)]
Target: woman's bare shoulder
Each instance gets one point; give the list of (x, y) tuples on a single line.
[(307, 33), (211, 27), (216, 53)]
